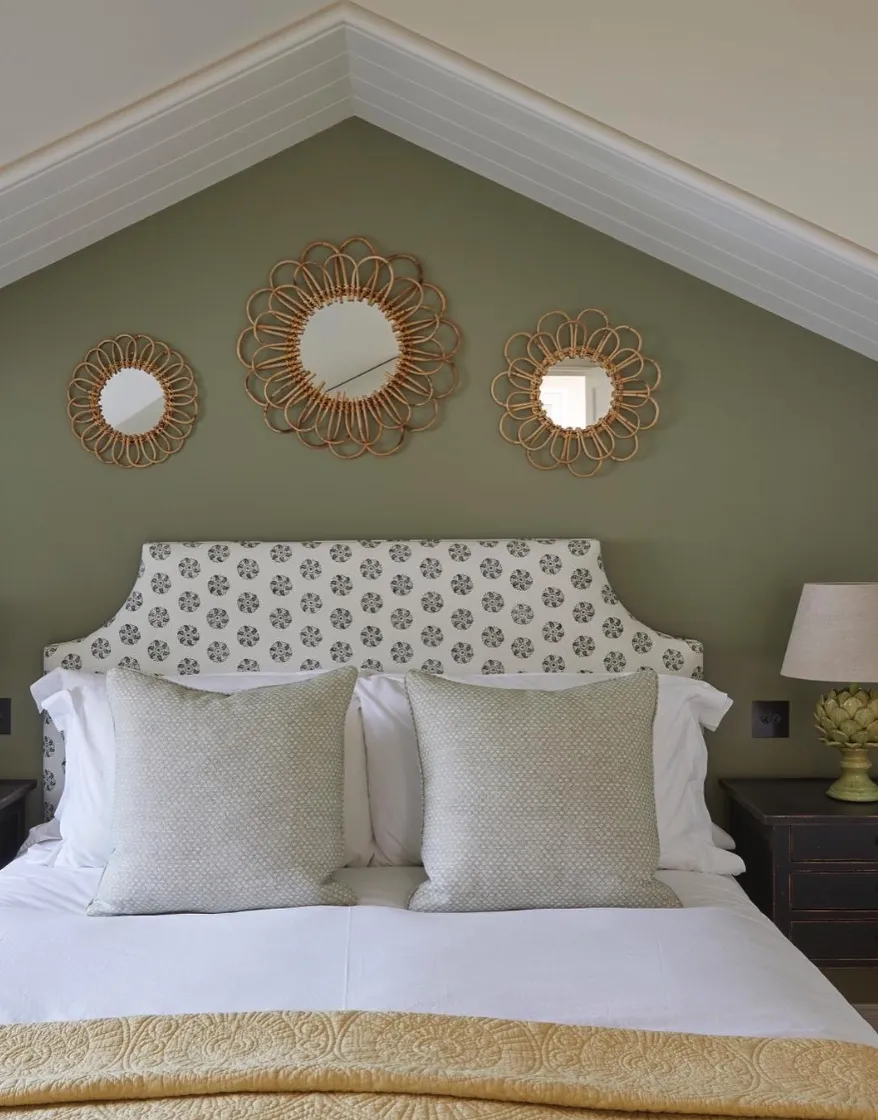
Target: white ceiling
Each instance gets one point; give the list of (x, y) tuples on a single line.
[(214, 119), (66, 65), (776, 97)]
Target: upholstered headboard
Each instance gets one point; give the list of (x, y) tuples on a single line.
[(492, 606)]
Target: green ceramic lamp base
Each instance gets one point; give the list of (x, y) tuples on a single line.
[(854, 784), (848, 720)]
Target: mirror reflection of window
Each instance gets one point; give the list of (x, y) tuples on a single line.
[(577, 393), (349, 347)]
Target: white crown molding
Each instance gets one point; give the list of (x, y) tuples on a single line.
[(345, 61), (172, 145)]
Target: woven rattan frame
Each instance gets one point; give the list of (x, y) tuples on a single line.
[(633, 407), (289, 395), (84, 401)]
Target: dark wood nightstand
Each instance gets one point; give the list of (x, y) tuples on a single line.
[(812, 865), (13, 795)]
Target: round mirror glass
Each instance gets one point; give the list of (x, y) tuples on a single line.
[(132, 401), (576, 392), (349, 348)]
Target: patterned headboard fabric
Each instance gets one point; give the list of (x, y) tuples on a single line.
[(491, 606)]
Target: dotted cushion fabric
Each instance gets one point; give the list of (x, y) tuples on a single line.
[(226, 802), (537, 800)]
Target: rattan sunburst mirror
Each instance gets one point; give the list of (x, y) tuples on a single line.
[(576, 392), (349, 349), (132, 401)]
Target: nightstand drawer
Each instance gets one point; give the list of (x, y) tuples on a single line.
[(834, 841), (838, 890), (836, 940)]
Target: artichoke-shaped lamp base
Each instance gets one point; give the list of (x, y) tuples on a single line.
[(848, 720)]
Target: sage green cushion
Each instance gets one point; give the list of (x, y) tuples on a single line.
[(537, 800), (226, 802)]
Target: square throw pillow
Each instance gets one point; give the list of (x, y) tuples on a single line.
[(537, 800), (226, 802), (687, 838), (79, 706)]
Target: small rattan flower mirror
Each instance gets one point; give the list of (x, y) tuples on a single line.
[(132, 401), (576, 392), (349, 349)]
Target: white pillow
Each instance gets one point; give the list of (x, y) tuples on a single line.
[(79, 707), (679, 758), (722, 839)]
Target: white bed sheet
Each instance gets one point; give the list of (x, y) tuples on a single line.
[(717, 966)]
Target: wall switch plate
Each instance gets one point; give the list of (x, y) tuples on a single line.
[(5, 716), (770, 719)]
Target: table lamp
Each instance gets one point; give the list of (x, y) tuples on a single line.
[(835, 638)]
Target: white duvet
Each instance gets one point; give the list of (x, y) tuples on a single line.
[(717, 966)]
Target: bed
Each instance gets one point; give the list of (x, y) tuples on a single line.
[(711, 977)]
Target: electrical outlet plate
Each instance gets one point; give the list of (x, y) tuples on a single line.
[(770, 719)]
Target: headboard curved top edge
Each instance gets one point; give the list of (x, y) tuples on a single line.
[(462, 606)]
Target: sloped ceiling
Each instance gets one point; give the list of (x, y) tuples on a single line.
[(87, 182)]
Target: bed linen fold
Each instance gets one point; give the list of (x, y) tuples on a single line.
[(418, 1067)]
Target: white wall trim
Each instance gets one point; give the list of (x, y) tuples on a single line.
[(345, 61)]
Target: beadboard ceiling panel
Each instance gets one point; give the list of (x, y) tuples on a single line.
[(170, 146), (344, 61)]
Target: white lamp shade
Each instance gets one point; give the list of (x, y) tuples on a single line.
[(835, 634)]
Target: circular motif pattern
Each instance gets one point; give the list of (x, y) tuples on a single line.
[(401, 652), (493, 602), (158, 617), (371, 636), (129, 634)]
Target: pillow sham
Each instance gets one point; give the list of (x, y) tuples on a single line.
[(79, 706), (226, 802), (685, 706), (536, 799)]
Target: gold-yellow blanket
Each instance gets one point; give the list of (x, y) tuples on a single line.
[(341, 1065)]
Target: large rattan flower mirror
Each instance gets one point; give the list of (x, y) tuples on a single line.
[(576, 392), (349, 349), (132, 401)]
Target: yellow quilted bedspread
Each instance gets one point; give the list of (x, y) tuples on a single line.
[(337, 1066)]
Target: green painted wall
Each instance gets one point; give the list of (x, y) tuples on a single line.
[(760, 475)]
